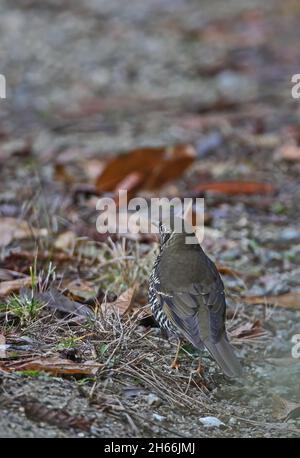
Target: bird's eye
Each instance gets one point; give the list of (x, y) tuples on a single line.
[(163, 228), (165, 233)]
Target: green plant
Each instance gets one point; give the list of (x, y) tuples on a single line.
[(30, 373), (68, 342), (26, 308)]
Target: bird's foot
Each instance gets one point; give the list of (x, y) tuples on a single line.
[(200, 369), (175, 364)]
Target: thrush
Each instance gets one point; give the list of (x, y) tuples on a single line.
[(187, 298)]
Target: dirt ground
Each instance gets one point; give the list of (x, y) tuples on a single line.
[(87, 79)]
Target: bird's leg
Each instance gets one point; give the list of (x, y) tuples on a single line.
[(200, 368), (175, 364)]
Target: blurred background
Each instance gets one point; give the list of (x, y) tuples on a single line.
[(118, 74)]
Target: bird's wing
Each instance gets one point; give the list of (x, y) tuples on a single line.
[(196, 316), (192, 295)]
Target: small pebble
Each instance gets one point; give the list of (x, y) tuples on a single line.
[(153, 400), (211, 422), (158, 417), (232, 421), (289, 234)]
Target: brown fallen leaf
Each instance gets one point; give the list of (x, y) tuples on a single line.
[(174, 162), (290, 152), (80, 289), (131, 183), (39, 412), (287, 300), (235, 187), (7, 274), (125, 301), (284, 409), (65, 241), (225, 270), (16, 229), (93, 168), (56, 300), (53, 365), (61, 173), (13, 286), (17, 147), (155, 165), (250, 330), (15, 259)]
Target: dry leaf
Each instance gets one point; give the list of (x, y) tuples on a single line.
[(155, 165), (6, 274), (56, 300), (61, 173), (15, 229), (93, 168), (81, 289), (287, 300), (235, 187), (290, 152), (65, 241), (250, 330), (172, 165), (225, 270), (20, 260), (53, 365), (131, 183), (36, 411), (13, 286), (125, 301), (284, 409), (15, 147)]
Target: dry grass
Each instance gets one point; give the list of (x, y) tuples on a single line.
[(131, 354)]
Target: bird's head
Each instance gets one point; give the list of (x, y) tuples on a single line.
[(165, 233), (176, 228)]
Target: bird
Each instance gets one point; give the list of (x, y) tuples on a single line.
[(187, 299)]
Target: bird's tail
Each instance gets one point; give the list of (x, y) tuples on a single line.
[(223, 353)]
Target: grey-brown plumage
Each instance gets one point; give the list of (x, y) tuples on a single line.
[(187, 298)]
